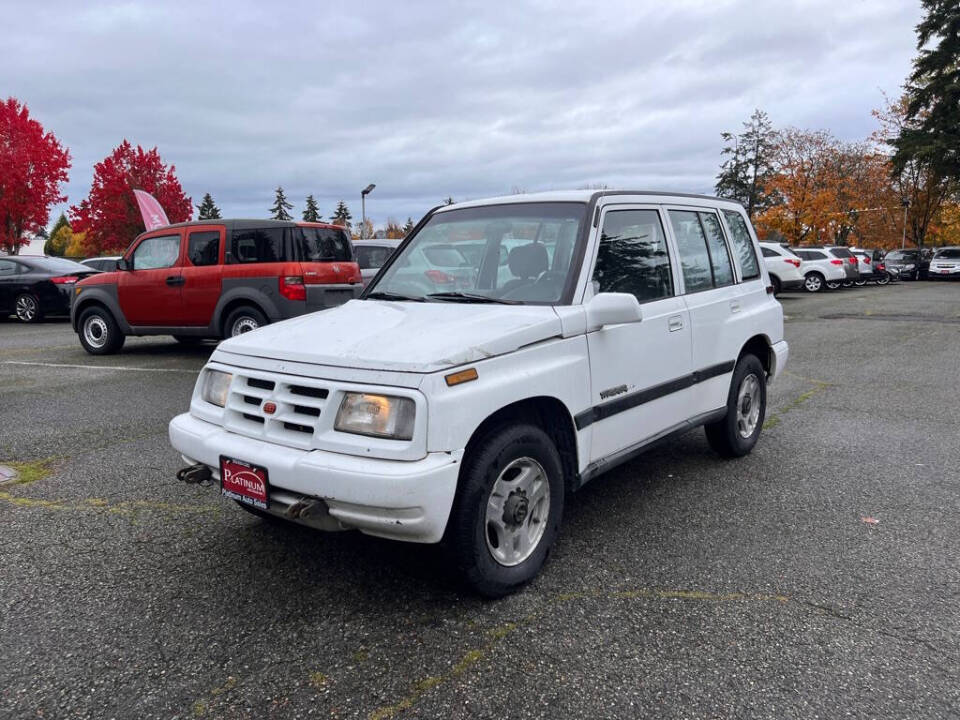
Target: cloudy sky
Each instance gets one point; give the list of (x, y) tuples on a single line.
[(430, 99)]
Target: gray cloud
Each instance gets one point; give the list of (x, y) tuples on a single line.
[(429, 100)]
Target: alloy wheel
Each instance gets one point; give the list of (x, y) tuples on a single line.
[(26, 308), (748, 406)]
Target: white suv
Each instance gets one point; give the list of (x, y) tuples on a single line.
[(783, 267), (422, 413), (820, 270)]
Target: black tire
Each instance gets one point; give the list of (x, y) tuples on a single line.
[(469, 540), (848, 283), (883, 279), (27, 308), (775, 281), (813, 282), (98, 332), (860, 283), (833, 285), (725, 435), (243, 319)]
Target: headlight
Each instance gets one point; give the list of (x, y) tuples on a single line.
[(216, 385), (377, 415)]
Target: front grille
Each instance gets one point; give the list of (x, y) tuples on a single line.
[(299, 407)]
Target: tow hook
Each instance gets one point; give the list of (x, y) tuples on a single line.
[(198, 474)]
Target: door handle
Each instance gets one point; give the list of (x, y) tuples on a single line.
[(675, 323), (735, 306), (175, 280)]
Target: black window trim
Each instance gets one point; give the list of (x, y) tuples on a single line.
[(627, 207), (159, 232)]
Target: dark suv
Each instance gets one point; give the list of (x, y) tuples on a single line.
[(213, 279), (908, 264)]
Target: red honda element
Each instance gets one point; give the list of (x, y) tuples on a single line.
[(214, 279)]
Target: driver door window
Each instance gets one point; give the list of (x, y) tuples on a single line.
[(632, 256), (157, 252)]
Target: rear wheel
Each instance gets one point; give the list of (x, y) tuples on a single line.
[(813, 282), (860, 283), (775, 281), (243, 320), (883, 279), (99, 332), (507, 511), (27, 307), (833, 284), (738, 431)]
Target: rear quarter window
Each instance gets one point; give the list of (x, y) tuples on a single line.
[(259, 245), (323, 245), (742, 244)]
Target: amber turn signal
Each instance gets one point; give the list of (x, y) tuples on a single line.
[(461, 377)]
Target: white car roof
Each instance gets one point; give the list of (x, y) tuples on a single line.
[(584, 196)]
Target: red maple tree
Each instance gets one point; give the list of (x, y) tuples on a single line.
[(32, 166), (109, 214)]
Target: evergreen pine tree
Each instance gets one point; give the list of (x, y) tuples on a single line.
[(281, 206), (408, 226), (743, 175), (341, 216), (207, 209), (927, 147), (311, 212)]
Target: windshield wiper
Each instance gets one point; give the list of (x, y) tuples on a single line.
[(471, 297), (382, 295)]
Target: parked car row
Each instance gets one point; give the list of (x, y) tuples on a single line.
[(32, 287), (829, 267)]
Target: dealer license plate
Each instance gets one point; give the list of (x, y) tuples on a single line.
[(244, 482)]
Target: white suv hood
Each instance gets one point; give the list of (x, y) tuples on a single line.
[(400, 336)]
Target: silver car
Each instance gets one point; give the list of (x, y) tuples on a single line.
[(372, 254), (945, 264)]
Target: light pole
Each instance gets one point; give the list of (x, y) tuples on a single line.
[(906, 205), (363, 209)]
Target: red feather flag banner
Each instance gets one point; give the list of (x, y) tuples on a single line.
[(153, 215)]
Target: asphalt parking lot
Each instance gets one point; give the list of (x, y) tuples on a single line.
[(818, 577)]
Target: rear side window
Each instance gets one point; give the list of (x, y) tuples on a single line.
[(719, 255), (767, 252), (323, 245), (261, 245), (370, 257), (810, 254), (632, 256), (161, 251), (841, 253), (203, 248), (7, 268), (743, 244), (703, 252)]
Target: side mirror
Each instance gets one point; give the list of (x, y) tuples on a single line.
[(612, 309), (123, 264)]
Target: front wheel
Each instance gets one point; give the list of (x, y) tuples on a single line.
[(860, 283), (243, 320), (738, 431), (507, 511), (883, 279), (834, 285), (99, 332)]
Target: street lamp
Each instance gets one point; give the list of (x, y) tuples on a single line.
[(363, 208), (906, 205)]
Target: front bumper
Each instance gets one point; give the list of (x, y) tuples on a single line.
[(781, 352), (944, 272), (400, 500)]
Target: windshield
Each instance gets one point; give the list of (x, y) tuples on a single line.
[(496, 253), (948, 254)]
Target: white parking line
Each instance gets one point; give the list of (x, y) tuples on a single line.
[(98, 367)]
